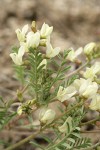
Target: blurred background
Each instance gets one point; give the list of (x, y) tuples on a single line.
[(76, 23)]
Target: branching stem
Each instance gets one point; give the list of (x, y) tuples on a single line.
[(91, 121), (12, 147), (76, 71)]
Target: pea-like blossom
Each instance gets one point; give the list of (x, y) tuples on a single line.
[(95, 103), (21, 34), (50, 51), (72, 55), (24, 44), (17, 57), (85, 87), (46, 116), (93, 71), (33, 39), (45, 30), (19, 110), (66, 93), (88, 49)]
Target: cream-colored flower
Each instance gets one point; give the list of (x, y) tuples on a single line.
[(45, 31), (46, 116), (17, 58), (21, 34), (19, 110), (44, 62), (64, 127), (85, 87), (88, 49), (24, 44), (93, 71), (33, 39), (50, 52), (95, 103), (65, 93), (72, 55)]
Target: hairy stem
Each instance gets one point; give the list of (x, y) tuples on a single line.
[(91, 121), (12, 147), (92, 147), (76, 71), (23, 141)]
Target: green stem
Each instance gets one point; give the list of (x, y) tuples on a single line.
[(22, 141), (12, 147), (91, 121), (68, 111), (76, 71), (36, 74), (94, 131), (92, 147), (56, 145)]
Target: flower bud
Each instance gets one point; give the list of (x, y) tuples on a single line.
[(19, 110), (93, 71), (26, 107), (88, 49), (95, 103), (46, 116), (33, 27)]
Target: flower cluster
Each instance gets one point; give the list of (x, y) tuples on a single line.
[(33, 39), (86, 88)]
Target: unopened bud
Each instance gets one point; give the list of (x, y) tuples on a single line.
[(88, 49), (46, 116), (33, 27)]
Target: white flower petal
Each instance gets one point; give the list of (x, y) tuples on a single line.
[(33, 39), (89, 48), (85, 87), (66, 93), (46, 116), (78, 51), (21, 51), (25, 29), (46, 31), (17, 58), (43, 29), (95, 103), (50, 52)]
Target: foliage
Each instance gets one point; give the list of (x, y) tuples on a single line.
[(47, 77)]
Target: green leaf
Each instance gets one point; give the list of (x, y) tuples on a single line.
[(47, 139), (76, 134), (66, 53), (71, 140), (36, 145), (66, 145), (57, 148)]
